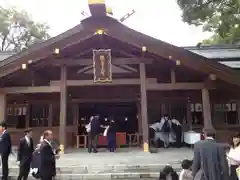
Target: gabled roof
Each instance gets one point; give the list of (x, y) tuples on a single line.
[(216, 52), (117, 30)]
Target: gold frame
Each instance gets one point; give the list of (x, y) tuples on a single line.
[(110, 67)]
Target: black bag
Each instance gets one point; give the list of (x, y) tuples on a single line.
[(166, 127), (35, 165)]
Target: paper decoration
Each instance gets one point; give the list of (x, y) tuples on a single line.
[(198, 107), (102, 65)]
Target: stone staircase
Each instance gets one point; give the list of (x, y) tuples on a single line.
[(127, 164), (105, 172)]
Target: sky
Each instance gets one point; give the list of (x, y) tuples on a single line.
[(158, 18)]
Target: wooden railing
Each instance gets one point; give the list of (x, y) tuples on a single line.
[(81, 141), (135, 140)]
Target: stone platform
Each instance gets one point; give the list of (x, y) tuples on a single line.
[(129, 163)]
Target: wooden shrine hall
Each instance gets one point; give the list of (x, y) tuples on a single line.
[(102, 66)]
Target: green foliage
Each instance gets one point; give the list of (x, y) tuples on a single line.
[(219, 16), (18, 31)]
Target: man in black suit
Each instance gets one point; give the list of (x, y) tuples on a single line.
[(95, 128), (24, 157), (5, 149), (209, 161), (47, 157)]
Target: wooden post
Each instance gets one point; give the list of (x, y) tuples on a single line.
[(189, 115), (173, 76), (238, 110), (50, 115), (144, 113), (3, 107), (63, 107), (139, 118), (206, 110)]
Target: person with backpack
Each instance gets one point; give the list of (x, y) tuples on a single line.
[(166, 130)]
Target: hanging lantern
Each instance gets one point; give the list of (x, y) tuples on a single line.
[(178, 62), (24, 66), (56, 51)]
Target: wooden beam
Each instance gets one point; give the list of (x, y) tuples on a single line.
[(114, 82), (127, 67), (31, 89), (176, 86), (86, 62), (82, 70)]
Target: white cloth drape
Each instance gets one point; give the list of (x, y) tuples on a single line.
[(105, 131)]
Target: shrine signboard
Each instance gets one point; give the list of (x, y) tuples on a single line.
[(102, 65)]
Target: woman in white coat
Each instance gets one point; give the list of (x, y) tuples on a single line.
[(234, 156)]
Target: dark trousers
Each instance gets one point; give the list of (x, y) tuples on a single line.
[(151, 141), (178, 137), (92, 142), (233, 173), (24, 171), (112, 143), (47, 178), (5, 166)]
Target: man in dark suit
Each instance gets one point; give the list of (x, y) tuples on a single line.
[(5, 149), (209, 161), (95, 128), (47, 168), (24, 156)]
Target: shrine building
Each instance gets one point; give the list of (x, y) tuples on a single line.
[(101, 66)]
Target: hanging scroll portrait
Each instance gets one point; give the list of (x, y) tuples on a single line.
[(102, 65)]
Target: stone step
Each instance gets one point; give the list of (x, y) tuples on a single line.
[(93, 169), (102, 176)]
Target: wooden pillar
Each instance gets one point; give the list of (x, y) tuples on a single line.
[(139, 118), (3, 107), (63, 106), (189, 115), (206, 110), (50, 115), (173, 76), (238, 110), (144, 112)]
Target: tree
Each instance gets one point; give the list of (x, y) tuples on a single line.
[(18, 31), (222, 17)]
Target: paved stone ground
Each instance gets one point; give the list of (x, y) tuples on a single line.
[(123, 156)]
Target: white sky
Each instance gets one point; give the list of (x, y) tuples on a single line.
[(158, 18)]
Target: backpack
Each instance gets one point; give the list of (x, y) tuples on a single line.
[(166, 126)]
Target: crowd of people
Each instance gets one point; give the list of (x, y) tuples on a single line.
[(211, 161), (39, 161)]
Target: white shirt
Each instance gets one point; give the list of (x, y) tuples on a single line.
[(3, 131), (234, 156), (28, 140), (48, 142), (175, 121)]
